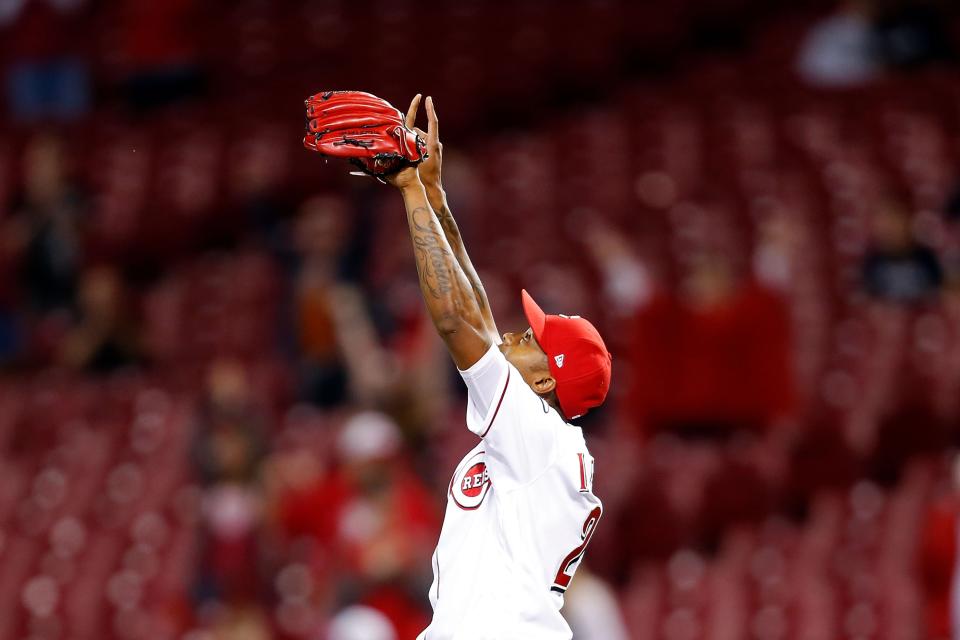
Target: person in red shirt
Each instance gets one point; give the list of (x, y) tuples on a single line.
[(711, 359), (157, 51), (937, 560), (372, 520)]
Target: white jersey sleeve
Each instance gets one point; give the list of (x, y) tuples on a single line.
[(512, 420)]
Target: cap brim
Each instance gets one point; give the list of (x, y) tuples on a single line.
[(535, 315)]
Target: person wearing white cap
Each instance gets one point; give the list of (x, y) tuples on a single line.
[(367, 436), (360, 623)]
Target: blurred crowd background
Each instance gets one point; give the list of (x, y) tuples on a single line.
[(224, 415)]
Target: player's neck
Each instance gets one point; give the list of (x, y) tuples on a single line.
[(555, 405)]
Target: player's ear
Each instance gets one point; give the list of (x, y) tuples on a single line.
[(544, 384)]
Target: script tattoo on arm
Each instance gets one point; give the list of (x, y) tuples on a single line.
[(433, 257), (445, 288)]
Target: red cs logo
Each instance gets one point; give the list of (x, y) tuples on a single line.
[(470, 482)]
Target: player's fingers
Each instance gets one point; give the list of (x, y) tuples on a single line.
[(433, 145), (433, 125), (412, 111)]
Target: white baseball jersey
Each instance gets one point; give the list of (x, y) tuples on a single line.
[(520, 513)]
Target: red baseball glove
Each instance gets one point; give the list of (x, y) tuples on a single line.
[(365, 129)]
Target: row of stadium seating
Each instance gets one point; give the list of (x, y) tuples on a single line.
[(96, 514), (839, 576)]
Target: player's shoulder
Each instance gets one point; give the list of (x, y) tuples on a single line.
[(572, 437)]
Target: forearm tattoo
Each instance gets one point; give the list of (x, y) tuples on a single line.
[(456, 242), (433, 257), (446, 219)]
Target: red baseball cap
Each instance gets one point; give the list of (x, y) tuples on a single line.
[(578, 359)]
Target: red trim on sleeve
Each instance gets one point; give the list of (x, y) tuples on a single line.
[(497, 410)]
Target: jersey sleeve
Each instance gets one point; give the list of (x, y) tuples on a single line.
[(516, 425)]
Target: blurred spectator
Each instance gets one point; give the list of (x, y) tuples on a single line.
[(777, 248), (45, 233), (626, 282), (319, 236), (337, 344), (259, 203), (104, 337), (911, 33), (713, 359), (854, 45), (896, 267), (372, 519), (378, 482), (48, 79), (237, 622), (229, 446), (939, 562), (361, 623), (591, 609), (158, 52), (842, 50), (231, 431)]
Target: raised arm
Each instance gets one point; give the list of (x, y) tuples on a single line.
[(429, 171), (447, 292)]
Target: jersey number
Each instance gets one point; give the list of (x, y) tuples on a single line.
[(564, 575)]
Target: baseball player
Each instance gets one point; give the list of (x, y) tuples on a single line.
[(520, 505)]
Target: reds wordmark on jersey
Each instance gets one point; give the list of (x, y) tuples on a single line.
[(520, 514)]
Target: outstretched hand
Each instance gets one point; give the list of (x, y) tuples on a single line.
[(430, 167)]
